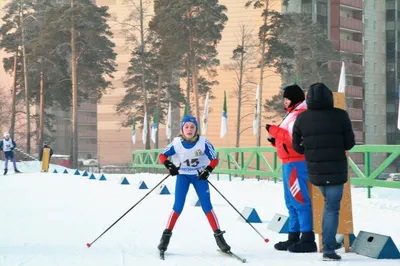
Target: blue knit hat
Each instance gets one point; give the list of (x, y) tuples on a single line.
[(189, 118)]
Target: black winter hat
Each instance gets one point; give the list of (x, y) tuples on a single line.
[(294, 93)]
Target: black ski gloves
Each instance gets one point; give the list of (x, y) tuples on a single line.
[(272, 140), (205, 173), (173, 170)]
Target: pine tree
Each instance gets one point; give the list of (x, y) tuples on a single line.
[(302, 56), (189, 31), (268, 37), (149, 78)]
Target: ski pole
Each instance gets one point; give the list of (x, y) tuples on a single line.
[(90, 244), (266, 240)]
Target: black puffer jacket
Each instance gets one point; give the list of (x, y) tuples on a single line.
[(323, 133)]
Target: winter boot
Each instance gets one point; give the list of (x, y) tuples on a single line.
[(293, 238), (5, 171), (333, 256), (305, 245), (223, 246), (166, 236), (17, 171)]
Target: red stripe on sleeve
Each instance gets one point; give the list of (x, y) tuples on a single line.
[(214, 163), (162, 157)]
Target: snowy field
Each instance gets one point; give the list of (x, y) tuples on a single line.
[(47, 219)]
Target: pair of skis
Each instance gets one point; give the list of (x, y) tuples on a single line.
[(229, 253)]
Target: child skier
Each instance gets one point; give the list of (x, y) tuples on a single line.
[(8, 145), (196, 158)]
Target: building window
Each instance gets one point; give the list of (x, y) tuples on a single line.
[(390, 35), (374, 67), (374, 87), (391, 46)]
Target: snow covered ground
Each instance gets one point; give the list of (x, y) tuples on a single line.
[(47, 219)]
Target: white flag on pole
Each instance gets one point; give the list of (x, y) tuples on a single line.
[(205, 115), (144, 132), (169, 122), (257, 112), (134, 130), (154, 128), (342, 79)]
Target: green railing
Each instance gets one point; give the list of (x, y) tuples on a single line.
[(262, 162)]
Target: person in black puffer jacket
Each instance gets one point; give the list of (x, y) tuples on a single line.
[(323, 134)]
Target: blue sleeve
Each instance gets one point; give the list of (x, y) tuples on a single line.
[(210, 151), (169, 150), (14, 144)]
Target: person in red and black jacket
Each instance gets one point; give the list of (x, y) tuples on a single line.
[(196, 159), (295, 177)]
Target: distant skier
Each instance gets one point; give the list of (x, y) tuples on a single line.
[(8, 145), (192, 153)]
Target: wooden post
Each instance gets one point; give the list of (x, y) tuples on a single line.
[(346, 210)]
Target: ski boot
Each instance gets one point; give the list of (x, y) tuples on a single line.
[(331, 257), (223, 246), (305, 245), (293, 238), (17, 171), (164, 241), (5, 171)]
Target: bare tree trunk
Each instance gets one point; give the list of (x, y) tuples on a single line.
[(41, 117), (194, 75), (240, 90), (14, 94), (188, 82), (74, 120), (159, 85), (262, 75), (147, 147), (28, 115), (194, 81)]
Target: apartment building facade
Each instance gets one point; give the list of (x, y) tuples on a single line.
[(393, 74), (342, 22), (114, 142)]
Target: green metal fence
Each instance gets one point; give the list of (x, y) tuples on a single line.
[(262, 162)]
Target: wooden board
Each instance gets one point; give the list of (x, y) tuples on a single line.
[(346, 209)]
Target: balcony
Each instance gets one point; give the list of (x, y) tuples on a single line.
[(351, 24), (354, 91), (91, 107), (87, 134), (359, 136), (87, 121), (351, 46), (351, 68), (355, 114), (84, 147), (357, 4)]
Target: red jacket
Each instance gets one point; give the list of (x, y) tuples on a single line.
[(283, 135)]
